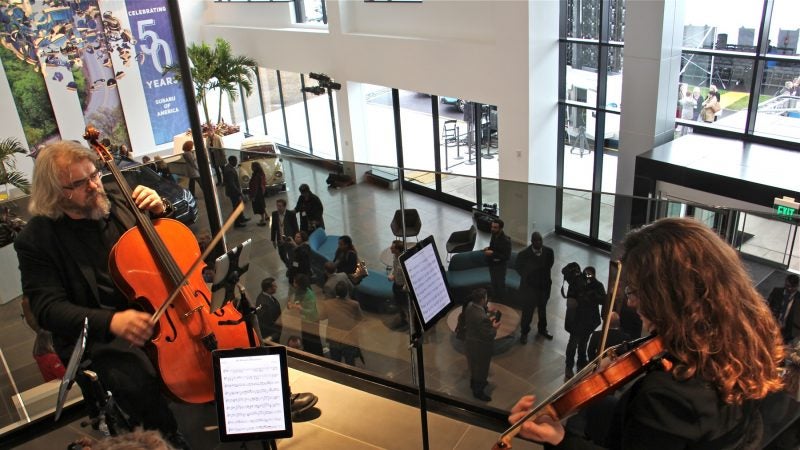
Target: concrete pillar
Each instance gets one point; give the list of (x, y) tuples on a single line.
[(652, 52)]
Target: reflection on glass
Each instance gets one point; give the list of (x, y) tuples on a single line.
[(295, 111), (319, 118), (614, 79), (583, 19), (416, 125), (730, 77), (581, 83), (576, 209), (722, 24), (783, 28), (272, 104), (778, 113), (378, 125)]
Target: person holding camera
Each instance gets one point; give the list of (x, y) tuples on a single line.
[(480, 327), (534, 264), (584, 296), (497, 254), (282, 230)]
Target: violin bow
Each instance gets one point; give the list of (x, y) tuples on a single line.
[(607, 323), (225, 227)]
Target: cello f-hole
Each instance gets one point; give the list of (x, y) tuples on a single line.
[(172, 327)]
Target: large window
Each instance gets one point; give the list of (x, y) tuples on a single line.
[(310, 11), (295, 108), (590, 103), (748, 54)]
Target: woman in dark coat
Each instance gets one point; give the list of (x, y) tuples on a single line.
[(256, 190), (346, 256)]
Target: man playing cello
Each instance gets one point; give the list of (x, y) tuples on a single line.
[(63, 255), (724, 346)]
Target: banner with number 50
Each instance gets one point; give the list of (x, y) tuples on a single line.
[(154, 50)]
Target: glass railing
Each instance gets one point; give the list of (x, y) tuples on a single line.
[(361, 202)]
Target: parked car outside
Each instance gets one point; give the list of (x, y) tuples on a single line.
[(261, 150), (183, 202)]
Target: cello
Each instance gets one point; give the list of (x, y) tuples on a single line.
[(148, 264)]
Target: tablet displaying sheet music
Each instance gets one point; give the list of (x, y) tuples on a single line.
[(251, 388), (426, 281)]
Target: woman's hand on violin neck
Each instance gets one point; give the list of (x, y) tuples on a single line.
[(148, 200), (132, 325), (542, 428)]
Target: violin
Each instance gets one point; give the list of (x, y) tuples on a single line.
[(594, 382), (153, 265), (576, 395)]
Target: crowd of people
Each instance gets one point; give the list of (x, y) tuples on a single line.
[(76, 223)]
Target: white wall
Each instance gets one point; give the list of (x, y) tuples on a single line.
[(472, 49)]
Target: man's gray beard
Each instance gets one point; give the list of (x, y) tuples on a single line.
[(99, 210)]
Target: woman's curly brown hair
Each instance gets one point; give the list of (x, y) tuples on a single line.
[(693, 288)]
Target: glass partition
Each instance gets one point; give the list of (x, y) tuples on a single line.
[(364, 207)]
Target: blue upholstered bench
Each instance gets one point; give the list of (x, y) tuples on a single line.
[(374, 293), (469, 270)]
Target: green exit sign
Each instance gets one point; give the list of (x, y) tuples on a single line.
[(785, 208), (784, 211)]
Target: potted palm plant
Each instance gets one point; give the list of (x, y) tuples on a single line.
[(9, 175)]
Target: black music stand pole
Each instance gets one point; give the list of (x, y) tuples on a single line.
[(415, 324)]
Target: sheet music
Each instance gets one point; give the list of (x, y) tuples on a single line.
[(427, 282), (252, 393)]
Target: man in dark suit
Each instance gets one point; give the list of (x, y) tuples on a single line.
[(63, 258), (284, 225), (269, 311), (534, 264), (480, 331), (497, 254), (784, 305), (233, 189)]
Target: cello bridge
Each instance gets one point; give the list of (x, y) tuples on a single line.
[(192, 311)]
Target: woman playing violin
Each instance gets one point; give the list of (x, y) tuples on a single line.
[(63, 256), (690, 288)]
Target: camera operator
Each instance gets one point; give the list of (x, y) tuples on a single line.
[(584, 296)]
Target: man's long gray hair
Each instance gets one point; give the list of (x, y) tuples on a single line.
[(52, 161)]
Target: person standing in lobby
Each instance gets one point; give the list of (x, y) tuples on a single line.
[(480, 331), (282, 230), (214, 145), (268, 311), (497, 254), (785, 307), (534, 264), (192, 169), (310, 208), (233, 189)]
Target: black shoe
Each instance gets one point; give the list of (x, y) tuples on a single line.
[(480, 395), (239, 225), (177, 440), (523, 339), (568, 374), (245, 219), (545, 335), (302, 402)]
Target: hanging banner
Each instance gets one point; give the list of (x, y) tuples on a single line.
[(155, 50)]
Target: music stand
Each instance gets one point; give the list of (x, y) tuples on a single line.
[(72, 369), (251, 389), (229, 270), (427, 284)]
